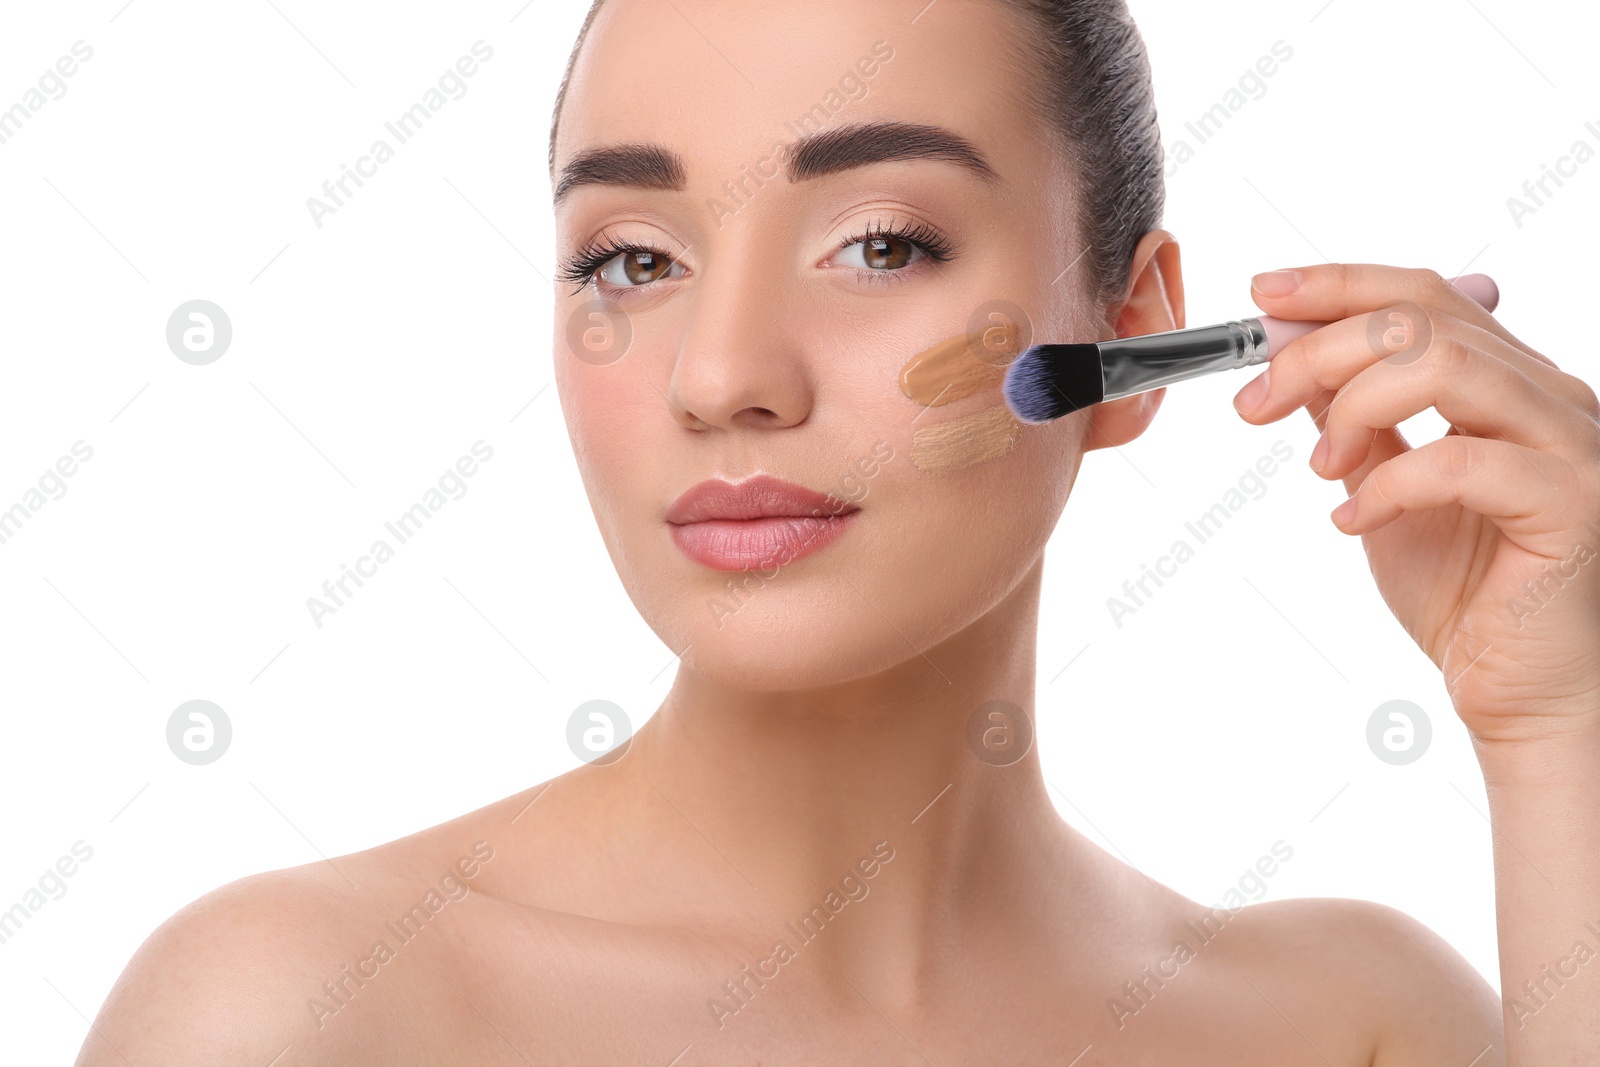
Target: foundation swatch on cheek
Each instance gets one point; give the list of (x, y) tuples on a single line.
[(959, 366), (966, 441)]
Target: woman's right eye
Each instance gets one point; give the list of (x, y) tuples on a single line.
[(637, 266)]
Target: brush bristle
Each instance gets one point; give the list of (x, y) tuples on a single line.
[(1049, 381)]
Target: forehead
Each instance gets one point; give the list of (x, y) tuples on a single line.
[(722, 82)]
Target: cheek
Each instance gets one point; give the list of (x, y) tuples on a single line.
[(603, 374), (958, 383), (943, 550), (600, 407), (989, 490), (967, 441)]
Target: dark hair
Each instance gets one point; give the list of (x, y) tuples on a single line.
[(1096, 94), (1095, 91)]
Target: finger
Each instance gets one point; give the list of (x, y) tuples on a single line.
[(1534, 497), (1386, 444), (1328, 292), (1328, 357), (1473, 391)]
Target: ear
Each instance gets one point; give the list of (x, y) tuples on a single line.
[(1154, 304)]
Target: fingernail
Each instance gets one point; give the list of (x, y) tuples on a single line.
[(1252, 395), (1344, 512), (1276, 282), (1319, 455)]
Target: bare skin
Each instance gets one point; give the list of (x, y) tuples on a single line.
[(821, 731), (604, 924)]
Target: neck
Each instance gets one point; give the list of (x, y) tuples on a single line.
[(795, 789)]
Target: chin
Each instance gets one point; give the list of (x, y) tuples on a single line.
[(791, 660), (793, 632), (812, 630)]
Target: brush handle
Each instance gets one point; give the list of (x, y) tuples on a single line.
[(1137, 364), (1280, 332)]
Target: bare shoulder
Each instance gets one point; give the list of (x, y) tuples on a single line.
[(301, 966), (1326, 959), (224, 979)]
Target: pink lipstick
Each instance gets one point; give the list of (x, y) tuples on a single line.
[(759, 523)]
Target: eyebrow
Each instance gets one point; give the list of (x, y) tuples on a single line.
[(832, 151), (652, 166), (641, 166)]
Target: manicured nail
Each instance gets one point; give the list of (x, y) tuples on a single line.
[(1344, 512), (1319, 455), (1251, 396), (1276, 282)]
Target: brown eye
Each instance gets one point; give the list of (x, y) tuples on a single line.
[(644, 267), (884, 253), (887, 253), (636, 267)]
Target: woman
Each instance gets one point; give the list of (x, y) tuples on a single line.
[(832, 842)]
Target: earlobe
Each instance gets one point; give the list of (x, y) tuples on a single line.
[(1117, 422)]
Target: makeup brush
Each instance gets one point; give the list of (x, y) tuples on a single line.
[(1046, 382)]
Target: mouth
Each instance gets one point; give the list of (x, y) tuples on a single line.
[(757, 524)]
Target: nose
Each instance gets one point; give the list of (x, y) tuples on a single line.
[(741, 363)]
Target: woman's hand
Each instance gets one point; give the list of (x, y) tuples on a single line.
[(1486, 543)]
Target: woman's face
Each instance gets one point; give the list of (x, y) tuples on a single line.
[(760, 323)]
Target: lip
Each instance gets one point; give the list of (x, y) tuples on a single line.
[(759, 522)]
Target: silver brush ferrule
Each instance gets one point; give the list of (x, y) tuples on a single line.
[(1138, 364)]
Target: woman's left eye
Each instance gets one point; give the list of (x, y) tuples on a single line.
[(882, 252)]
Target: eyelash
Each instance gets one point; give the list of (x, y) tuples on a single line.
[(581, 269), (586, 262), (933, 243)]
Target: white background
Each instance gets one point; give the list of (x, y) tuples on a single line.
[(370, 353)]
